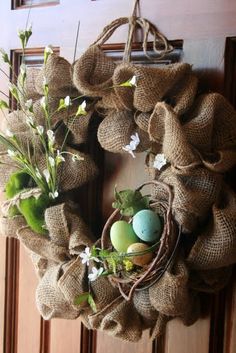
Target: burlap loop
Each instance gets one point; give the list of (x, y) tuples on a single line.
[(165, 128), (50, 301), (79, 127), (76, 173), (210, 281), (58, 75), (153, 84), (159, 327), (103, 292), (194, 191), (9, 226), (92, 72), (170, 295), (116, 129), (216, 243), (119, 319), (142, 303)]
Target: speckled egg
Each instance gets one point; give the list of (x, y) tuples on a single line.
[(122, 236), (147, 226), (140, 260)]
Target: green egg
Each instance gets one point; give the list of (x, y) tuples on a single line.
[(122, 236), (147, 226)]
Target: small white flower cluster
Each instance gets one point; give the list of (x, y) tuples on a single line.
[(135, 141), (159, 161), (86, 257)]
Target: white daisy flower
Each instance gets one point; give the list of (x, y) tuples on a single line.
[(132, 145), (51, 136), (86, 256), (159, 161), (95, 273)]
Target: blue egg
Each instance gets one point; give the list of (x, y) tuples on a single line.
[(147, 226)]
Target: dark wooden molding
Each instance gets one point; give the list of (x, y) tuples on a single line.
[(230, 70), (23, 4), (158, 345), (45, 327), (11, 296)]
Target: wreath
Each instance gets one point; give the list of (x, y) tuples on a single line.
[(159, 249)]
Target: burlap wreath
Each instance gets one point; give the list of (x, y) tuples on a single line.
[(196, 134)]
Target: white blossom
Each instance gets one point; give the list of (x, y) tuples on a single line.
[(54, 194), (133, 81), (45, 81), (51, 161), (86, 256), (38, 174), (8, 133), (48, 49), (29, 103), (59, 157), (40, 129), (95, 273), (43, 102), (51, 136), (67, 101), (159, 161), (23, 69), (30, 121), (46, 174), (132, 145), (81, 109), (11, 153)]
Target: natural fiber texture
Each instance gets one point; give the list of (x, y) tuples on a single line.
[(195, 191), (9, 226), (170, 295), (79, 127), (115, 131), (216, 243), (119, 319), (58, 75)]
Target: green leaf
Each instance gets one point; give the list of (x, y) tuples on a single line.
[(130, 202), (81, 298), (92, 303), (3, 104)]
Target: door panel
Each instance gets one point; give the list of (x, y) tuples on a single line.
[(203, 26)]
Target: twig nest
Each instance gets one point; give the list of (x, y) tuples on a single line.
[(140, 260)]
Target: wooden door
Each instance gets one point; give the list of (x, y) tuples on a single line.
[(208, 31)]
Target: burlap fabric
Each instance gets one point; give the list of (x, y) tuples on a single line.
[(115, 131)]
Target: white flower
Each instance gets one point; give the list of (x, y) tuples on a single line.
[(30, 121), (23, 69), (11, 153), (95, 273), (51, 136), (51, 161), (8, 133), (67, 101), (45, 81), (54, 194), (133, 144), (40, 129), (81, 109), (43, 102), (86, 256), (48, 49), (159, 161), (133, 81), (46, 174), (38, 174), (59, 157), (29, 103)]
